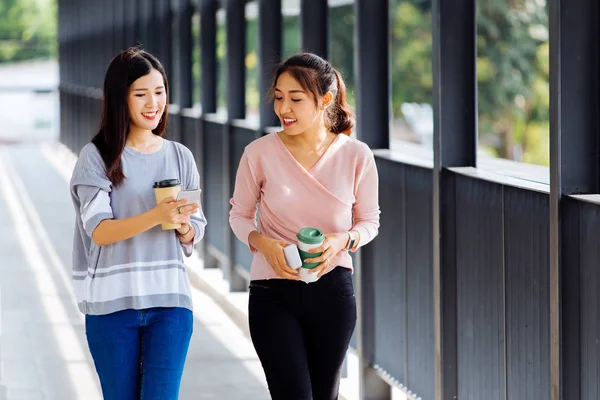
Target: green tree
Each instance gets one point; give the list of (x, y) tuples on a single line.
[(512, 75), (341, 45), (291, 35), (412, 73), (27, 29), (512, 71)]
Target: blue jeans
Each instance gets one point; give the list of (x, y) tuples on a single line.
[(140, 354)]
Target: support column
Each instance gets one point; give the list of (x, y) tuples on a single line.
[(373, 120), (314, 26), (455, 145), (269, 54), (184, 51), (236, 109), (236, 58), (574, 161), (208, 56)]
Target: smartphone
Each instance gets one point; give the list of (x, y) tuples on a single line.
[(292, 257), (193, 196)]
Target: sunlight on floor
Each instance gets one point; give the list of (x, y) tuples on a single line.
[(81, 376)]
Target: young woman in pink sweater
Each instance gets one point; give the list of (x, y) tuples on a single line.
[(310, 174)]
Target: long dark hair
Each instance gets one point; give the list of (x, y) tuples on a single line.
[(318, 76), (127, 67)]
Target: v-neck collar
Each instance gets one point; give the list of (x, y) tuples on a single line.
[(319, 161)]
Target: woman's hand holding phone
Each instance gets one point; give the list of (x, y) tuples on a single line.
[(272, 250), (171, 211)]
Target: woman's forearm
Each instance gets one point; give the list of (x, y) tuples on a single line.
[(256, 240), (112, 231)]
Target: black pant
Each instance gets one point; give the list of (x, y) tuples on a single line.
[(301, 333)]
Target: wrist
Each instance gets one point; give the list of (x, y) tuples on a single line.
[(258, 241), (153, 218), (184, 229), (187, 235)]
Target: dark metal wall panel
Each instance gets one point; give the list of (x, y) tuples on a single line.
[(213, 171), (389, 268), (190, 136), (239, 139), (526, 235), (173, 131), (419, 281), (589, 234), (480, 297)]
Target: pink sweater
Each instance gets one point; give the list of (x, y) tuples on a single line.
[(338, 194)]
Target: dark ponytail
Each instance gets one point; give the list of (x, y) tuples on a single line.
[(339, 117), (318, 76)]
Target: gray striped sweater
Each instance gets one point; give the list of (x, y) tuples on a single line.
[(146, 270)]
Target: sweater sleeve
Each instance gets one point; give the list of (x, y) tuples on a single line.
[(246, 196), (191, 181), (91, 189), (366, 207)]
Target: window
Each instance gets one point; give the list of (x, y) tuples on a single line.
[(513, 79), (341, 42), (252, 93), (221, 64), (411, 73), (196, 74), (291, 28)]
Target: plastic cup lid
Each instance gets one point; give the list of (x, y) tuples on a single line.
[(166, 183), (310, 235)]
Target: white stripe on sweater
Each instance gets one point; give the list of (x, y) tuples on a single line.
[(134, 283), (138, 264), (100, 205)]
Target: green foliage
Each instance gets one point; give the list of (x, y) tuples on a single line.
[(221, 65), (412, 74), (252, 92), (196, 67), (513, 68), (291, 35), (341, 45), (27, 30)]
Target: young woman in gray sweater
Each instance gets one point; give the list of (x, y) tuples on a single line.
[(128, 273)]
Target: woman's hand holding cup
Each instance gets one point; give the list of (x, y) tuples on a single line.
[(333, 243), (170, 211)]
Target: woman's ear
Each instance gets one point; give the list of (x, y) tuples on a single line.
[(327, 100)]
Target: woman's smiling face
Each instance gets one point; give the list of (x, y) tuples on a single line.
[(294, 106), (147, 100)]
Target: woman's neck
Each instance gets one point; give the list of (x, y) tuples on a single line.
[(141, 139), (312, 139)]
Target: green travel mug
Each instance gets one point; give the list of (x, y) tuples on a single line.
[(309, 238)]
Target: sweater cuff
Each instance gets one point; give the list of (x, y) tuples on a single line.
[(243, 232), (364, 237)]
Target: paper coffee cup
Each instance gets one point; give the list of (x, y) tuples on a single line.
[(308, 239), (164, 189)]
